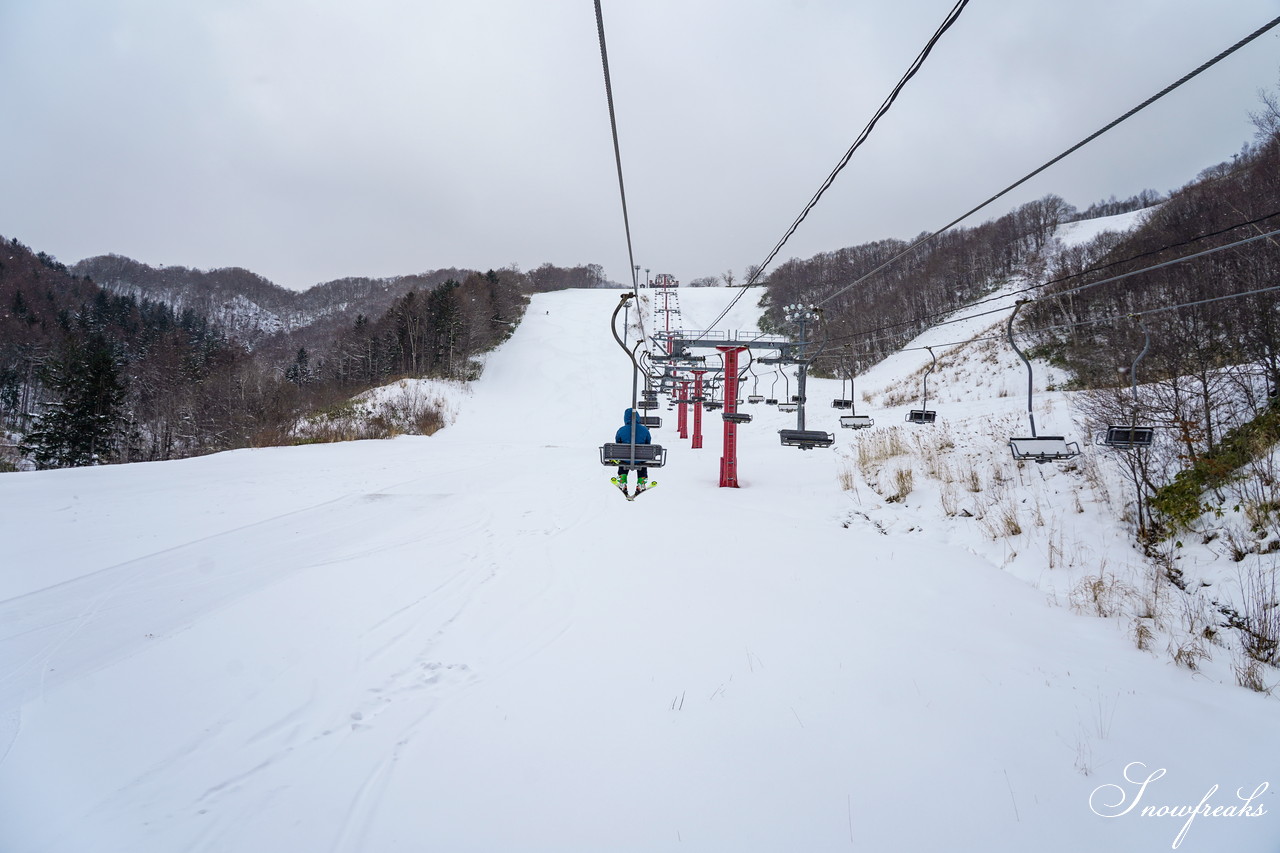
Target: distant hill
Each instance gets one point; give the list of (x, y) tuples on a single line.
[(247, 306)]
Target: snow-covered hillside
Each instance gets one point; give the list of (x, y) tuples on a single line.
[(470, 642)]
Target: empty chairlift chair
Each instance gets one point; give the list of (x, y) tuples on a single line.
[(806, 439), (1037, 448), (853, 420), (924, 415), (791, 404), (1131, 435)]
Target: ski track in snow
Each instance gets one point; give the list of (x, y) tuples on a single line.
[(470, 642)]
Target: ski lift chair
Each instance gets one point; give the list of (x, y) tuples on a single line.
[(792, 403), (806, 439), (924, 415), (629, 454), (651, 421), (842, 402), (633, 455), (1128, 436), (736, 417), (772, 399), (1037, 448), (853, 420), (1043, 448), (755, 397)]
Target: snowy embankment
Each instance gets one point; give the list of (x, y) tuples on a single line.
[(469, 641)]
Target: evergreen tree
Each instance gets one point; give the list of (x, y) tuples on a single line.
[(299, 373), (82, 425)]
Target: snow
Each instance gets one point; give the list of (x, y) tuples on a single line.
[(1085, 230), (470, 642)]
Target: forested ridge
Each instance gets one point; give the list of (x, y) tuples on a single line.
[(90, 375)]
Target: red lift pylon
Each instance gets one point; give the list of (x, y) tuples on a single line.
[(729, 461), (682, 419), (697, 409)]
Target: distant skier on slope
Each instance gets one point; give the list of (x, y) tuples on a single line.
[(623, 436)]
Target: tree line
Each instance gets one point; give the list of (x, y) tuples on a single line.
[(89, 376), (892, 306), (1212, 362)]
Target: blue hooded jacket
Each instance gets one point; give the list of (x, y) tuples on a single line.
[(624, 432)]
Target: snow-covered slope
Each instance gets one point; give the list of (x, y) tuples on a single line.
[(471, 642), (1084, 230)]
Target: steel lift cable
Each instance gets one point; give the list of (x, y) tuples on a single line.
[(1046, 296), (1059, 280), (950, 19), (1148, 102)]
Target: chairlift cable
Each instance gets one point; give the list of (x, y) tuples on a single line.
[(1059, 280), (1109, 319), (1088, 285), (1148, 102), (915, 66), (617, 151)]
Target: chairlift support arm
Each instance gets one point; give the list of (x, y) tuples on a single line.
[(1030, 414)]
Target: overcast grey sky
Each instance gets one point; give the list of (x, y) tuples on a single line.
[(309, 139)]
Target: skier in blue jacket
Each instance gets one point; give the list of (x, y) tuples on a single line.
[(623, 436)]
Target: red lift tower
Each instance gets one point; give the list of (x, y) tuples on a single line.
[(729, 461)]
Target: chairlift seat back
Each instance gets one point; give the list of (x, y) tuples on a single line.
[(788, 407), (647, 404), (646, 455), (1129, 436), (772, 401), (856, 421), (651, 421), (755, 398), (922, 416), (736, 417), (806, 439), (842, 404), (1044, 448)]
